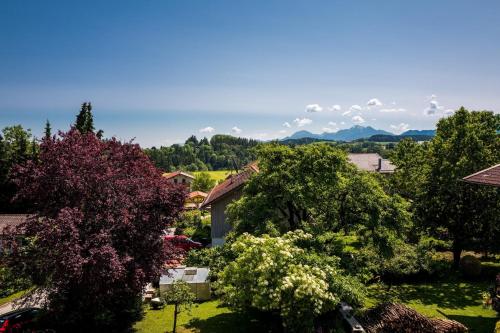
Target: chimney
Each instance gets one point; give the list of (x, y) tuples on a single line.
[(379, 164)]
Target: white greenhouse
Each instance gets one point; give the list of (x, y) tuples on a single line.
[(195, 277)]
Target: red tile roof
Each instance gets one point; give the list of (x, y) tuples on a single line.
[(490, 176), (177, 173), (11, 220), (231, 183)]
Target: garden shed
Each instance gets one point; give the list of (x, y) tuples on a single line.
[(195, 277)]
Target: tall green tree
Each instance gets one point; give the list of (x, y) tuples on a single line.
[(15, 148), (464, 143), (314, 188), (48, 130), (84, 120)]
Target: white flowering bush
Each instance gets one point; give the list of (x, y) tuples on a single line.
[(274, 274)]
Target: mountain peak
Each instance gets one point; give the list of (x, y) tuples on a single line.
[(350, 134)]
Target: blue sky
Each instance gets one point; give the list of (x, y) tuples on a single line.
[(159, 71)]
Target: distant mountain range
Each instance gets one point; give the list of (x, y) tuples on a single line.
[(354, 133)]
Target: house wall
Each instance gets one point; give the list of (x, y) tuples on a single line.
[(220, 227), (180, 179)]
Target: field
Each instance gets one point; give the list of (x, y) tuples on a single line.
[(217, 175), (449, 298), (208, 317)]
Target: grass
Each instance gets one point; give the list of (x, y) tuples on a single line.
[(207, 317), (217, 175), (450, 298), (12, 297)]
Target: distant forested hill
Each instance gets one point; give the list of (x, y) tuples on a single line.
[(222, 152)]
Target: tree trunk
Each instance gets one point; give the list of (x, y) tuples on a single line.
[(457, 251), (175, 317)]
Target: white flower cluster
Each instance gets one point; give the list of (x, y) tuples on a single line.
[(269, 274)]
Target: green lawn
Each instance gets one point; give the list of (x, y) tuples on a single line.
[(217, 175), (451, 298), (207, 317), (12, 297)]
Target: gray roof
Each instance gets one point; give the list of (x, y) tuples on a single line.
[(200, 275), (372, 162)]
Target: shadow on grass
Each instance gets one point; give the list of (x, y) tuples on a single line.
[(446, 294), (236, 322), (475, 324)]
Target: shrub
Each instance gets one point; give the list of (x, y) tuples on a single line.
[(273, 274), (470, 266)]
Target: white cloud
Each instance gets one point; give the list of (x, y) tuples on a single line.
[(282, 131), (353, 108), (335, 107), (207, 129), (332, 123), (434, 106), (287, 124), (393, 110), (374, 102), (236, 130), (302, 121), (342, 123), (449, 112), (398, 129), (357, 120), (312, 108)]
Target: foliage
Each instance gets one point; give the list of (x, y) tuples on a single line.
[(203, 182), (47, 131), (274, 274), (411, 161), (193, 224), (95, 240), (464, 144), (10, 282), (85, 120), (216, 258), (222, 152), (313, 187), (470, 266), (181, 296), (16, 147)]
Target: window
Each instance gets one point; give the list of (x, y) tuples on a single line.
[(175, 180)]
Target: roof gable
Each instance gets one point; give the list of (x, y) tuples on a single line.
[(489, 176)]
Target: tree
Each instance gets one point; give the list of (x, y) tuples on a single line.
[(85, 120), (313, 187), (181, 296), (48, 130), (96, 237), (464, 143), (203, 182), (275, 274), (15, 148)]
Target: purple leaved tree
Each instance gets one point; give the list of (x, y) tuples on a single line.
[(95, 239)]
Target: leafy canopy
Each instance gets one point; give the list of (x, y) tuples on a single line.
[(95, 239)]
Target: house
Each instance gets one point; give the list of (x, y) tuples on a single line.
[(222, 195), (194, 199), (196, 278), (179, 177), (8, 221), (489, 176), (372, 162)]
